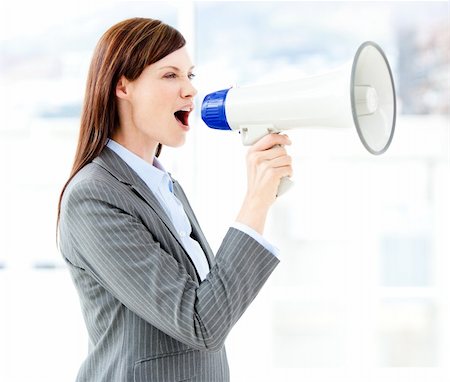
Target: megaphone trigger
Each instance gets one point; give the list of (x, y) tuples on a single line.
[(251, 133)]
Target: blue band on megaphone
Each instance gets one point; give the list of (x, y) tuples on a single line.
[(213, 110)]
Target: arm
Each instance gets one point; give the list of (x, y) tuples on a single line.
[(102, 236), (267, 164)]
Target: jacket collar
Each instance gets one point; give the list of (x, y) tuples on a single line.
[(112, 163)]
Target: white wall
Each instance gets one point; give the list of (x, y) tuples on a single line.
[(362, 291)]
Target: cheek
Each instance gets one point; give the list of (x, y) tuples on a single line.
[(156, 103), (146, 107), (153, 116)]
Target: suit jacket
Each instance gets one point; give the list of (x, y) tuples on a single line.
[(148, 316)]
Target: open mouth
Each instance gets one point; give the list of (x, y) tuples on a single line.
[(182, 116)]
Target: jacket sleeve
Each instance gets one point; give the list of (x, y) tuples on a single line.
[(119, 251)]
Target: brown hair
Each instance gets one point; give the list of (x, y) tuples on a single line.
[(127, 48)]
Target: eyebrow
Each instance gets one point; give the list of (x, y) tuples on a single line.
[(175, 68)]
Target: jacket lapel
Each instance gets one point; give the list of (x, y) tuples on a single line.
[(112, 163), (196, 230)]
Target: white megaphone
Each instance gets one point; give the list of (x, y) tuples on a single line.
[(360, 93)]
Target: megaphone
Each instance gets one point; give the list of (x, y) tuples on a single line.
[(360, 93)]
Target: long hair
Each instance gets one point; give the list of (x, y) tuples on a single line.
[(127, 48)]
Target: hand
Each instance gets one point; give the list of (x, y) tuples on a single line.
[(267, 164)]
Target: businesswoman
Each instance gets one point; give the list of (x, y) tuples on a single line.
[(158, 305)]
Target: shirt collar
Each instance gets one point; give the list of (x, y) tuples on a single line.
[(154, 176)]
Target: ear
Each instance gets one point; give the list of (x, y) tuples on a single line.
[(122, 87)]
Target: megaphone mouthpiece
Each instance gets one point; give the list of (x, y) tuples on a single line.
[(213, 110)]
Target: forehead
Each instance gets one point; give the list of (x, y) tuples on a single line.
[(178, 59)]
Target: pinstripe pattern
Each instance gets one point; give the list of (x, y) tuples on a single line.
[(147, 316)]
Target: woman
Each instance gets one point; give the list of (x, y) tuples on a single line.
[(156, 302)]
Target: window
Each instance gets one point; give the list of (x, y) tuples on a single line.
[(362, 290)]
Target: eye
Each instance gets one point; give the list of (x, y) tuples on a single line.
[(191, 76), (170, 75)]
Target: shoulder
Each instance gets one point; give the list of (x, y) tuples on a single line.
[(92, 182), (90, 176)]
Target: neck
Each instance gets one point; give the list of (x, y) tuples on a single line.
[(130, 137), (136, 145)]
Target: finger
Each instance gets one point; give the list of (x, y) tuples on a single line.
[(269, 154), (283, 172), (282, 161), (278, 172), (269, 141)]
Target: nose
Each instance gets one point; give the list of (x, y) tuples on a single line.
[(188, 90)]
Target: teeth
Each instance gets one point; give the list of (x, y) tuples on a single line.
[(187, 108)]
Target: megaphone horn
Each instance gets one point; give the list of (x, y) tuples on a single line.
[(360, 93)]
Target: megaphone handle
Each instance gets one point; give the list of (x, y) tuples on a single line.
[(285, 184)]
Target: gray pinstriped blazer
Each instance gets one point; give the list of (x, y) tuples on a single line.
[(148, 317)]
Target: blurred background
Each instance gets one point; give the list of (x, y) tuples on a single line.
[(363, 288)]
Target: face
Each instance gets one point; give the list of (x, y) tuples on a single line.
[(155, 107)]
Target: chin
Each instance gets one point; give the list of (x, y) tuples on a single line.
[(175, 143)]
